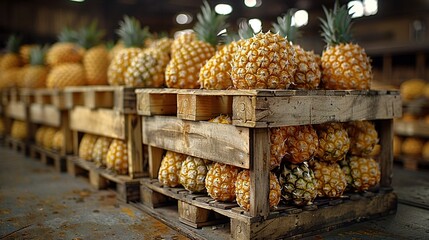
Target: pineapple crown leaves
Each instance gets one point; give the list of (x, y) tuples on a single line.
[(13, 43), (38, 54), (245, 31), (284, 27), (68, 35), (336, 27), (209, 24), (90, 35), (131, 32)]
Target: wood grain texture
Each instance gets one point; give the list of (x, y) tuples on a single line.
[(217, 142), (202, 107), (155, 158), (104, 122), (135, 147), (385, 134), (45, 114), (16, 110), (156, 104)]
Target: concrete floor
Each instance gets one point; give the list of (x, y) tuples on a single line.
[(36, 202)]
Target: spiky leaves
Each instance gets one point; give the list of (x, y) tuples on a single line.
[(13, 43), (131, 32), (68, 35), (336, 26), (209, 24), (284, 27), (90, 36), (38, 54)]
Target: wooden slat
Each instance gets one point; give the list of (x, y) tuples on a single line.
[(202, 107), (299, 110), (17, 110), (218, 142), (135, 147), (45, 114), (385, 132), (155, 158), (58, 99), (156, 104), (98, 99), (104, 122), (74, 96), (67, 133)]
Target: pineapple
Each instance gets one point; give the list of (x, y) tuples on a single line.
[(9, 77), (19, 130), (58, 141), (331, 180), (66, 50), (100, 149), (184, 37), (363, 137), (25, 52), (294, 143), (308, 73), (163, 44), (242, 190), (11, 59), (186, 62), (117, 157), (397, 143), (147, 69), (425, 149), (361, 173), (169, 171), (48, 137), (67, 74), (412, 146), (298, 183), (334, 142), (133, 37), (96, 59), (86, 146), (193, 174), (345, 65), (220, 182), (223, 119), (36, 74), (39, 135)]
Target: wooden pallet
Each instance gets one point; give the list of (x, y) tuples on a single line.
[(199, 210), (411, 129), (174, 119), (49, 157), (16, 145), (127, 189), (270, 108), (412, 162), (50, 96)]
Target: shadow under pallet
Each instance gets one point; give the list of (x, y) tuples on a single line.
[(49, 157)]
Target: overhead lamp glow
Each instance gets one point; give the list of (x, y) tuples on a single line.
[(370, 7), (255, 24), (300, 18), (223, 9), (355, 9), (77, 0), (183, 18), (252, 3)]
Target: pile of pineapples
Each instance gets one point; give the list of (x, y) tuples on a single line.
[(105, 152)]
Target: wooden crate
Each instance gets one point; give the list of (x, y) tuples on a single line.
[(18, 110), (16, 145), (108, 111), (127, 189), (245, 144), (49, 157)]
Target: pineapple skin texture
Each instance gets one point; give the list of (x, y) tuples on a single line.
[(334, 142), (363, 137), (117, 157), (264, 61), (64, 52), (64, 75), (86, 145), (35, 77), (331, 180), (99, 152), (119, 64), (169, 171), (58, 140), (220, 182), (346, 66), (48, 138), (96, 62), (308, 74), (9, 61), (39, 135), (361, 173), (193, 174), (19, 130), (147, 69)]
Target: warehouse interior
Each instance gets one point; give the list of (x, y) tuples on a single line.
[(161, 129)]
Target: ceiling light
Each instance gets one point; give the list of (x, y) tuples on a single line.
[(300, 18), (355, 9), (255, 24), (252, 3), (371, 7), (223, 9), (183, 18), (77, 0)]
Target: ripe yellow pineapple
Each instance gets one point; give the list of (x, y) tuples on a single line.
[(363, 137), (397, 143), (412, 89), (25, 52), (96, 59), (223, 119), (67, 74), (331, 180), (186, 62), (117, 157), (298, 183), (39, 135), (36, 74), (66, 50), (242, 190), (425, 150), (11, 59), (169, 170), (334, 142), (184, 37), (48, 137), (193, 174), (220, 182), (147, 69), (308, 73), (86, 146), (99, 153), (162, 44), (58, 141), (294, 143), (133, 37), (361, 173), (266, 60), (345, 65), (412, 146), (19, 130)]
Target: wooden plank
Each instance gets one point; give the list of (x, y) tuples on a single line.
[(98, 99), (218, 142), (156, 104), (300, 110), (67, 133), (289, 225), (74, 96), (418, 128), (202, 107), (192, 213), (58, 99), (155, 158), (45, 114), (103, 122), (135, 147), (385, 130), (17, 110), (259, 173)]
